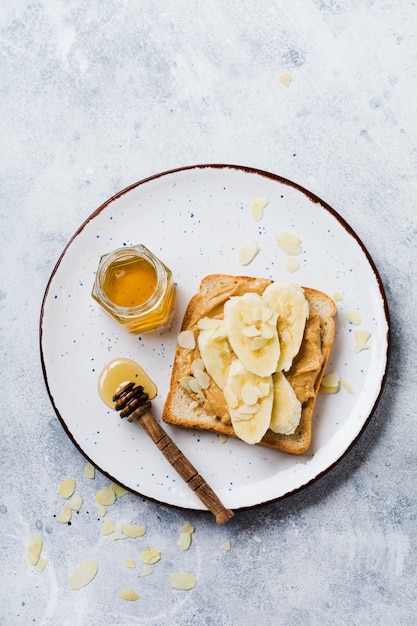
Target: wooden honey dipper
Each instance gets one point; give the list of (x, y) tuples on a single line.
[(133, 403)]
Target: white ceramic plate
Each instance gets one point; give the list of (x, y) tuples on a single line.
[(196, 219)]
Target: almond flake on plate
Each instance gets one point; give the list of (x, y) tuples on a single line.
[(289, 243), (248, 252), (362, 337), (257, 208), (292, 265)]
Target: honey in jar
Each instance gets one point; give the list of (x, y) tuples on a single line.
[(135, 288)]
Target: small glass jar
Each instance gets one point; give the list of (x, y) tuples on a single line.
[(135, 288)]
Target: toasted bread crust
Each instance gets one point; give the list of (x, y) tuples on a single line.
[(179, 409)]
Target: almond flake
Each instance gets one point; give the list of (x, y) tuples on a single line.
[(194, 385), (188, 528), (35, 549), (354, 318), (289, 243), (257, 208), (361, 340), (182, 580), (223, 438), (147, 569), (250, 394), (186, 340), (89, 471), (66, 488), (226, 545), (129, 594), (131, 563), (42, 564), (102, 510), (285, 79), (258, 343), (347, 386), (106, 496), (76, 502), (133, 531), (330, 380), (248, 252), (292, 265), (203, 379), (119, 490), (66, 514), (184, 541), (185, 382), (83, 575), (118, 534), (337, 296), (197, 366), (150, 556), (108, 527)]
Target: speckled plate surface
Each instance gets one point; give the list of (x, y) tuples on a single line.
[(196, 219)]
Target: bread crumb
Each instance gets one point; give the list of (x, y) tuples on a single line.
[(223, 438), (129, 594), (182, 580), (66, 488), (83, 575), (35, 549)]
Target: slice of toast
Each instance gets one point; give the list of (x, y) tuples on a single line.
[(182, 410)]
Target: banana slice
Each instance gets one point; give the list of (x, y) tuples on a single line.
[(289, 301), (286, 410), (215, 349), (249, 399), (251, 327)]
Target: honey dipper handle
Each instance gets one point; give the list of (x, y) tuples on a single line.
[(183, 466)]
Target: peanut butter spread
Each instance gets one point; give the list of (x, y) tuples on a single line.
[(305, 367)]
